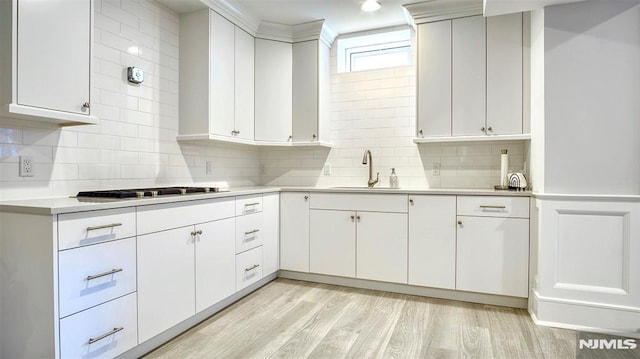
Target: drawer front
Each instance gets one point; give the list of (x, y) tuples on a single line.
[(248, 232), (248, 204), (95, 274), (248, 267), (111, 328), (493, 206), (360, 202), (84, 228), (160, 217)]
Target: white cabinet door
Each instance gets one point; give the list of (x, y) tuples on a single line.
[(493, 255), (244, 84), (294, 231), (432, 241), (166, 283), (332, 247), (273, 90), (221, 62), (270, 233), (382, 246), (305, 91), (434, 79), (54, 42), (215, 262), (504, 74), (469, 76)]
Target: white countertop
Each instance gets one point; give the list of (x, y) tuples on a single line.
[(58, 205)]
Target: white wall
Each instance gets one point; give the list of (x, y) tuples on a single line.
[(376, 110), (134, 143), (592, 92)]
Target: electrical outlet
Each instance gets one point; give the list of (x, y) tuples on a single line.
[(327, 169), (26, 166), (208, 167), (436, 169), (263, 170)]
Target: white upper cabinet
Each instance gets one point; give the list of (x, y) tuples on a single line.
[(504, 74), (468, 74), (470, 79), (273, 90), (310, 91), (434, 79), (244, 84), (221, 77), (216, 79), (46, 64)]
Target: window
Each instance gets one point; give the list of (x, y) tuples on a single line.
[(374, 51)]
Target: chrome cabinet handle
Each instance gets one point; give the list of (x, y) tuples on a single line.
[(492, 207), (358, 218), (111, 225), (483, 129), (420, 132), (490, 129), (195, 233), (251, 204), (306, 198), (85, 106), (252, 232), (100, 337), (460, 222), (252, 268), (113, 271), (314, 136), (353, 218), (290, 138), (411, 202)]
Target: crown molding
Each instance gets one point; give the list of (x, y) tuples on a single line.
[(234, 12), (313, 30), (436, 10)]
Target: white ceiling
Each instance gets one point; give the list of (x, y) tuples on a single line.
[(343, 16)]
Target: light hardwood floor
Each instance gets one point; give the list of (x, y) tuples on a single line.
[(294, 319)]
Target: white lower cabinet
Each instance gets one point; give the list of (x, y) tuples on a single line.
[(166, 285), (270, 233), (432, 241), (248, 267), (493, 255), (105, 331), (382, 246), (294, 231), (332, 242), (215, 255)]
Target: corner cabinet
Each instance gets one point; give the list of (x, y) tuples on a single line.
[(479, 62), (216, 79), (47, 43)]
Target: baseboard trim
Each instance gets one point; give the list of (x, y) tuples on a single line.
[(461, 296), (164, 337), (585, 317)]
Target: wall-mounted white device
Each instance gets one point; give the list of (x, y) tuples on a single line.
[(135, 75)]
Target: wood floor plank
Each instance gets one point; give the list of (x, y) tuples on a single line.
[(295, 319)]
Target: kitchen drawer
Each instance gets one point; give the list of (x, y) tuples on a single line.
[(84, 228), (248, 204), (360, 202), (159, 217), (248, 267), (95, 325), (493, 206), (112, 266), (248, 232)]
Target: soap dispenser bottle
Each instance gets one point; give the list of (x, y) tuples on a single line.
[(393, 179)]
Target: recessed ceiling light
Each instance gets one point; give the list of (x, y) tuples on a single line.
[(370, 6)]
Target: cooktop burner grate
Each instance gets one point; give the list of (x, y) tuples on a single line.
[(146, 192)]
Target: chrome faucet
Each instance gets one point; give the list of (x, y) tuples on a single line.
[(372, 182)]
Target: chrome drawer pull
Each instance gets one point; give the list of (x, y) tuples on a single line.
[(112, 332), (113, 271), (493, 207), (252, 268), (251, 204), (104, 226), (252, 232)]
